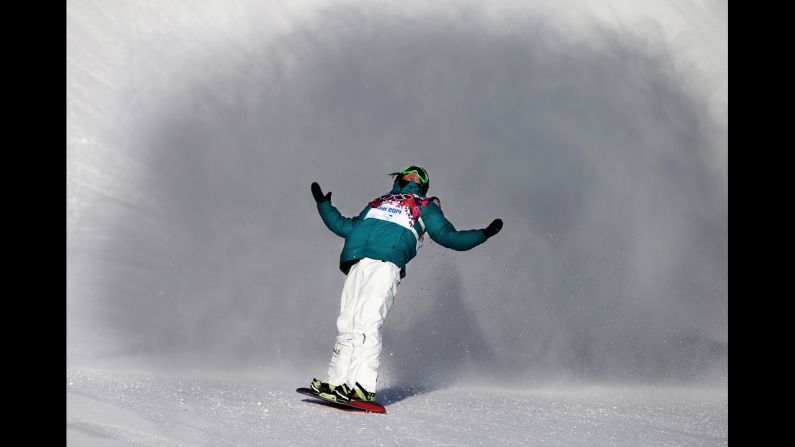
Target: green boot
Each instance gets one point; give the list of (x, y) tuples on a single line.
[(339, 393), (342, 393), (359, 393), (320, 387)]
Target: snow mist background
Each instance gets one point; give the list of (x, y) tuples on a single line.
[(598, 131)]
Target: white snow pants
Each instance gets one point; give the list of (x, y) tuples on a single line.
[(367, 296)]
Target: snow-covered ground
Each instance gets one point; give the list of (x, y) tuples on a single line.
[(113, 408)]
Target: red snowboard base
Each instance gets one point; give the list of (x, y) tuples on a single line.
[(373, 407)]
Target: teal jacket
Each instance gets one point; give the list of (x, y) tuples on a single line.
[(393, 231)]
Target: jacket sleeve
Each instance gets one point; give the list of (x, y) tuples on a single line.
[(334, 220), (443, 232)]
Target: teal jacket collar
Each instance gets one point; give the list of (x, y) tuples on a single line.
[(411, 188)]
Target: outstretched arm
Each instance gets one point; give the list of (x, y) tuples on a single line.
[(334, 220), (442, 231)]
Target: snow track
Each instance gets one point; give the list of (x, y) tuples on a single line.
[(109, 408)]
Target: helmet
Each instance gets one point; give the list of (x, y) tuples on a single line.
[(422, 176)]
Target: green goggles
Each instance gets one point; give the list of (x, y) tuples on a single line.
[(419, 170)]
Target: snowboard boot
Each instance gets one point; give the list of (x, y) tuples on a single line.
[(342, 393), (320, 387), (339, 393), (359, 393)]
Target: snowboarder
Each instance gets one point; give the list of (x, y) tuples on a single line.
[(378, 243)]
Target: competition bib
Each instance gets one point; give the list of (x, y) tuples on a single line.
[(401, 209)]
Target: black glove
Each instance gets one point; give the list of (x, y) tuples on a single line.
[(318, 194), (494, 227)]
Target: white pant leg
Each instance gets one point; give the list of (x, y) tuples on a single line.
[(377, 289), (343, 346)]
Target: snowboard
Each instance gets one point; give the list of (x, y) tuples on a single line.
[(369, 407)]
